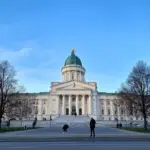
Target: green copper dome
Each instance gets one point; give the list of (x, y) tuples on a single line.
[(73, 59)]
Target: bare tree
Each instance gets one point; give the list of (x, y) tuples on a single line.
[(135, 92), (20, 107), (9, 89)]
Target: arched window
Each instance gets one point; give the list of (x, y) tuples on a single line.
[(108, 102), (102, 111), (115, 110), (78, 76), (108, 111), (43, 111), (72, 75), (122, 112)]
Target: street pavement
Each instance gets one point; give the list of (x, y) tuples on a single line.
[(115, 145), (57, 131), (73, 134)]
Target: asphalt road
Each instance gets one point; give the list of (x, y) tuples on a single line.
[(75, 145)]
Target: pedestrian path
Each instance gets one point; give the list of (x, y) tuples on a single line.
[(73, 131)]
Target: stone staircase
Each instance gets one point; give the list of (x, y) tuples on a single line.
[(72, 121)]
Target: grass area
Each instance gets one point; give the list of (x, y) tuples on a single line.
[(2, 130), (136, 129)]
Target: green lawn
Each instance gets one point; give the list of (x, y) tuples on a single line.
[(2, 130), (136, 129)]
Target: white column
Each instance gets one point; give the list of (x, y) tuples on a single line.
[(118, 109), (64, 105), (111, 107), (90, 105), (70, 104), (105, 107), (75, 75), (40, 109), (77, 104), (83, 104), (65, 76), (58, 105), (80, 76), (70, 76)]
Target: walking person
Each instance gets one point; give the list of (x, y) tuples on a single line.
[(92, 127), (65, 127), (75, 114)]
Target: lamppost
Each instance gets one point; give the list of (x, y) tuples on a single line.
[(50, 120)]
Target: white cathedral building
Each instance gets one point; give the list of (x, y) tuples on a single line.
[(73, 95)]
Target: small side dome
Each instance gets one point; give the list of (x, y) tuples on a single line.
[(73, 59)]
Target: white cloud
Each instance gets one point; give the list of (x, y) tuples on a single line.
[(14, 55), (34, 77), (25, 51)]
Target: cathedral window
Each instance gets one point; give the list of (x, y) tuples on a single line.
[(78, 76), (102, 111), (44, 101), (121, 111), (44, 111), (37, 101), (108, 102), (36, 110), (115, 110), (108, 111), (61, 102), (72, 75)]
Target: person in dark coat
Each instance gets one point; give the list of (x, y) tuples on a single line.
[(75, 114), (92, 127), (65, 127)]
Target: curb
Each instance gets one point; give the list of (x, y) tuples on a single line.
[(74, 138)]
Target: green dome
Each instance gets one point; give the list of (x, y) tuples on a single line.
[(73, 60)]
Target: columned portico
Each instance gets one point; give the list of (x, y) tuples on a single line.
[(74, 105)]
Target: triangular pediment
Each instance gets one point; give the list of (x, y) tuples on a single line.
[(74, 85)]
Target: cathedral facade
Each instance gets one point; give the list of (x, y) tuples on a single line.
[(76, 96)]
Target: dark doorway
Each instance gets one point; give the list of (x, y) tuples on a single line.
[(73, 110), (80, 111), (67, 111)]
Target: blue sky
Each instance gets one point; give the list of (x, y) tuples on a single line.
[(109, 36)]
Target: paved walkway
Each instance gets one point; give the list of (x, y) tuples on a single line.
[(76, 132)]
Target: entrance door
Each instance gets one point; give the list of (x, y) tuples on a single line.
[(80, 111), (67, 111), (73, 110)]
